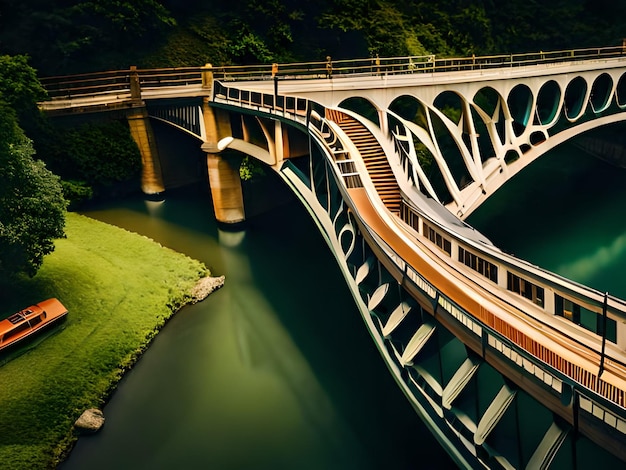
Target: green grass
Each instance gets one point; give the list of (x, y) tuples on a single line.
[(119, 288)]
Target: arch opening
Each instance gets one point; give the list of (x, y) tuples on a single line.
[(511, 156), (520, 102), (432, 171), (601, 92), (451, 153), (537, 137), (574, 99), (548, 100), (490, 102), (451, 105), (363, 107), (411, 109)]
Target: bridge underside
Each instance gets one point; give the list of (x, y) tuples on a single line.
[(215, 130)]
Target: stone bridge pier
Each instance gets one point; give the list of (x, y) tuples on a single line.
[(141, 131), (224, 179), (212, 124)]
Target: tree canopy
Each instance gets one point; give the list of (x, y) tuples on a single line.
[(32, 206), (70, 36)]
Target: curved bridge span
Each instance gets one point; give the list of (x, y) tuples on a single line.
[(511, 366)]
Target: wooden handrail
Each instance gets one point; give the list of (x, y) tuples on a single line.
[(80, 84)]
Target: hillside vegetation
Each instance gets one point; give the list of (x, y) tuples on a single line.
[(75, 36)]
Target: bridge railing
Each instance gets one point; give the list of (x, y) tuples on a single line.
[(296, 108), (410, 64), (120, 80), (603, 401), (85, 84), (91, 84)]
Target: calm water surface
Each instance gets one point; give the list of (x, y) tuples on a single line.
[(273, 371)]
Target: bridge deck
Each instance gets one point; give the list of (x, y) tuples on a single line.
[(562, 337)]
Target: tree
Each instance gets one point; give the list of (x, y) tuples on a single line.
[(19, 84), (81, 35), (32, 207), (99, 154)]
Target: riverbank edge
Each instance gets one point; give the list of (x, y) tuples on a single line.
[(185, 281), (200, 291)]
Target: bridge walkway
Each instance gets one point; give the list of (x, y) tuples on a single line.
[(539, 336), (487, 308), (374, 158)]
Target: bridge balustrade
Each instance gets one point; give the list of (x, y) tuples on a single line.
[(293, 107), (119, 80), (606, 409), (98, 83)]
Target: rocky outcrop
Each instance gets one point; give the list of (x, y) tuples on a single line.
[(205, 287), (90, 421)]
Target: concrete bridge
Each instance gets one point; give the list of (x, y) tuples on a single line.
[(511, 366)]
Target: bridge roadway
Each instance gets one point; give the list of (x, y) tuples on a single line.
[(91, 91), (578, 373)]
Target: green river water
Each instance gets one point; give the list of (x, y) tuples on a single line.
[(275, 370)]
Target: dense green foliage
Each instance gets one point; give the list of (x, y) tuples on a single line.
[(78, 35), (19, 85), (249, 168), (117, 298), (91, 155), (32, 207), (60, 34)]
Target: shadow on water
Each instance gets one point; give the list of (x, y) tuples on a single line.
[(274, 371)]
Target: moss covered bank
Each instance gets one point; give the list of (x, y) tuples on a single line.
[(120, 288)]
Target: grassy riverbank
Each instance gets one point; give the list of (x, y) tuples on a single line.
[(119, 288)]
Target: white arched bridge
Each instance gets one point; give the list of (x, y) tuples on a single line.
[(511, 366)]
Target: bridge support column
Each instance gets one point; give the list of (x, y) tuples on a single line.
[(223, 178), (225, 190), (216, 125), (141, 130)]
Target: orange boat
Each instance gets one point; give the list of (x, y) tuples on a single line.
[(28, 322)]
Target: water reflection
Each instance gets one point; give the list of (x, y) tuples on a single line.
[(153, 208), (588, 267), (273, 371)]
